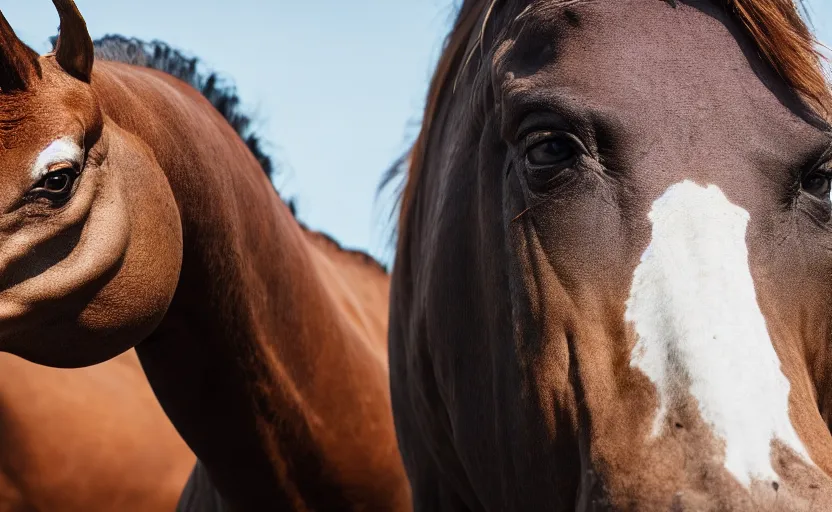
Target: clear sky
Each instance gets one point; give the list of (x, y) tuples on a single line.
[(335, 85)]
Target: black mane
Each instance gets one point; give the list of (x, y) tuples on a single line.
[(219, 91)]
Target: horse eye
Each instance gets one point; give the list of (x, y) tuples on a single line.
[(56, 185), (57, 182), (557, 151), (818, 184)]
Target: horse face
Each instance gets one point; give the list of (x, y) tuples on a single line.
[(90, 242), (679, 214), (640, 227)]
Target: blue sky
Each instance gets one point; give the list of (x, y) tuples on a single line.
[(334, 85)]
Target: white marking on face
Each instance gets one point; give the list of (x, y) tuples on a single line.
[(63, 150), (701, 332)]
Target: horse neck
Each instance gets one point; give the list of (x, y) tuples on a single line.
[(265, 361)]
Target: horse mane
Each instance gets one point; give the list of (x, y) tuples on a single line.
[(220, 92), (223, 96), (776, 27)]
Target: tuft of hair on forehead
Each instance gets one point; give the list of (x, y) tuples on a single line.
[(775, 26), (789, 46)]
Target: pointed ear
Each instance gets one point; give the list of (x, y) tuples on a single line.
[(18, 63), (74, 51)]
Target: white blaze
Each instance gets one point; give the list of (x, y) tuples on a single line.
[(700, 329), (63, 150)]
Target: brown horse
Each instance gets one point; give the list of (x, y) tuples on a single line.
[(613, 285), (132, 212), (96, 438), (85, 440)]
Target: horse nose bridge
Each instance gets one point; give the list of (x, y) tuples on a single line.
[(722, 399)]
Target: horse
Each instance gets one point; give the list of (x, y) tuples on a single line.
[(369, 284), (90, 439), (613, 279), (134, 216), (96, 438)]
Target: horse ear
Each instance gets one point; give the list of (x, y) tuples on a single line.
[(74, 50), (18, 62)]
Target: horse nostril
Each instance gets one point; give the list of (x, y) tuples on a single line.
[(775, 486), (679, 425)]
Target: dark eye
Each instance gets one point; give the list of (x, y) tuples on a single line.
[(56, 185), (557, 151), (817, 184)]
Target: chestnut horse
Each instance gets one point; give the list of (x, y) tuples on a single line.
[(96, 438), (613, 284), (133, 215), (86, 440)]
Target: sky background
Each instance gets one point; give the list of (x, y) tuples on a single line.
[(335, 87)]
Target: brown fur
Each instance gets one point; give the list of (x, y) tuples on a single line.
[(265, 351), (775, 25), (91, 439), (510, 351), (788, 45)]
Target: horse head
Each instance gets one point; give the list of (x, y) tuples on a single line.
[(90, 239), (612, 289)]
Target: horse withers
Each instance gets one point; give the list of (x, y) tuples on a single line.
[(613, 286)]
